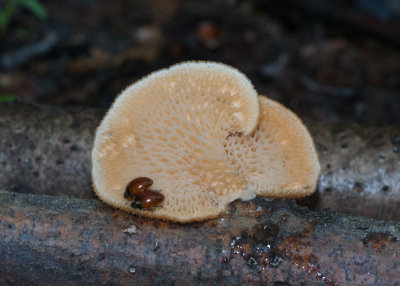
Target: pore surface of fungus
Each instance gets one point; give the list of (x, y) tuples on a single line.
[(171, 127), (194, 130), (279, 159)]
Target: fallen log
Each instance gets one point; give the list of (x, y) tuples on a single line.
[(68, 241), (47, 150)]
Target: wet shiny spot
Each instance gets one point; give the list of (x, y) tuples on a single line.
[(132, 269)]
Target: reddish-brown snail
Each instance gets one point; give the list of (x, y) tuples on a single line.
[(137, 190)]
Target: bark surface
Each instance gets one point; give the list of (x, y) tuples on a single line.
[(68, 241), (46, 150)]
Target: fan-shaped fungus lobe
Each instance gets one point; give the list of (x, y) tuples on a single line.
[(191, 128)]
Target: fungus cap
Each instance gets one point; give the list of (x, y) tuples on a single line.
[(172, 126), (194, 130)]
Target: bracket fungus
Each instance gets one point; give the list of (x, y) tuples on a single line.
[(205, 138)]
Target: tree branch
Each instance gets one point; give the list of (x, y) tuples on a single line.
[(61, 240), (46, 149)]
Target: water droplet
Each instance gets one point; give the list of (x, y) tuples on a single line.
[(132, 269), (156, 245)]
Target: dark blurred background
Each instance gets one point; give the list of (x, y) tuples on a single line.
[(328, 60)]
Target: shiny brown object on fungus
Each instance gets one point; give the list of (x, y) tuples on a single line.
[(136, 186), (150, 198), (143, 198), (194, 129)]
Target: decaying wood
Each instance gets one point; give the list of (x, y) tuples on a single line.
[(47, 150), (68, 241)]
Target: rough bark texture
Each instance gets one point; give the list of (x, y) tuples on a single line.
[(47, 150), (360, 169), (68, 241)]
